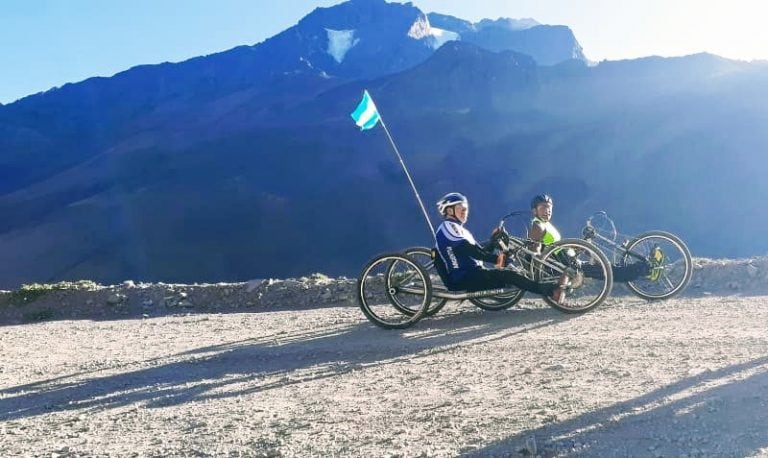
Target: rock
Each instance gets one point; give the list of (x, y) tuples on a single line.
[(752, 271), (529, 448), (115, 299), (129, 284), (252, 285)]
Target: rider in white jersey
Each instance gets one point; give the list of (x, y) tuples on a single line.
[(463, 257)]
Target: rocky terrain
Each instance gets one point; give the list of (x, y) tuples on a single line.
[(292, 368), (86, 299)]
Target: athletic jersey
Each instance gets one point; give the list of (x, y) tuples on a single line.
[(459, 251), (551, 234)]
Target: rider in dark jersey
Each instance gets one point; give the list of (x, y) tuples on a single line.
[(463, 257)]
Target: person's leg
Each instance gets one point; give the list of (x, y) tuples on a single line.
[(631, 272), (492, 279)]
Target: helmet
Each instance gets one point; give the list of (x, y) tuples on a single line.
[(541, 199), (451, 199)]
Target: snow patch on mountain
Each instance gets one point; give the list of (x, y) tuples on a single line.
[(340, 42), (443, 36)]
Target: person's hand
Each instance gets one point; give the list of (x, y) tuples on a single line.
[(500, 234)]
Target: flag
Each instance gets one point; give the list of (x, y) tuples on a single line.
[(366, 115)]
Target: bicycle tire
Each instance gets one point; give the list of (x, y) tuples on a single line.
[(667, 279), (375, 290), (424, 256), (592, 291)]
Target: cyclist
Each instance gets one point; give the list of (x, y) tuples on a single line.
[(462, 258), (542, 230), (545, 233)]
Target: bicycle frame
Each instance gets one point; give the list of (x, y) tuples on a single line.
[(589, 233)]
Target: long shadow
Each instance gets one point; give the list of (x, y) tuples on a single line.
[(712, 414), (213, 371)]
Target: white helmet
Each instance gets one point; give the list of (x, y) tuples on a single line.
[(451, 199)]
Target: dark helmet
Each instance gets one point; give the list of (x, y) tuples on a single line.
[(541, 199), (451, 199)]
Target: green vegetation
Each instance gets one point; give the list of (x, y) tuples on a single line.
[(29, 293)]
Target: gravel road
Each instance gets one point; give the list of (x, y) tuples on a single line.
[(681, 378)]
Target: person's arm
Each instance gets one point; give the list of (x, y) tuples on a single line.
[(536, 233), (475, 252)]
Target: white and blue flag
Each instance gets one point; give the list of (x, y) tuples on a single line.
[(366, 115)]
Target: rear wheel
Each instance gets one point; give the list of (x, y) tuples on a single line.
[(423, 256), (590, 277), (389, 284), (671, 265)]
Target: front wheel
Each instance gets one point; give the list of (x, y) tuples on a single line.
[(671, 265), (574, 258)]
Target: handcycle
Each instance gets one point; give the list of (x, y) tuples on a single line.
[(396, 290), (664, 258)]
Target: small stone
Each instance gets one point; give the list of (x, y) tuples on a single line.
[(752, 271), (530, 447), (115, 299), (253, 284)]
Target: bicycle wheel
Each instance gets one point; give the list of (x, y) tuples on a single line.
[(423, 256), (499, 301), (575, 258), (389, 276), (670, 260)]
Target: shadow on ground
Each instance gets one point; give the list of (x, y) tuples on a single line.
[(716, 413), (263, 364)]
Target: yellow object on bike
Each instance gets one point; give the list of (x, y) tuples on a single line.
[(656, 259)]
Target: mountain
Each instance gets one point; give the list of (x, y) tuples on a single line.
[(245, 164), (547, 44)]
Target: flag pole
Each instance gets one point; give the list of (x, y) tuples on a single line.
[(410, 180)]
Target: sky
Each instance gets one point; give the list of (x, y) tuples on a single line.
[(47, 43)]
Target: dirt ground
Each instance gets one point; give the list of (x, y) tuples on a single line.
[(682, 378)]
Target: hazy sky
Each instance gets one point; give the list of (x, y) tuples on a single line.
[(46, 43)]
